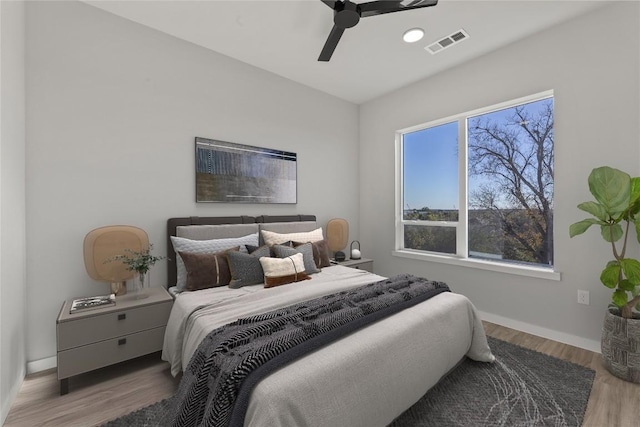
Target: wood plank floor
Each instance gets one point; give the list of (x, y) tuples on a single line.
[(114, 391)]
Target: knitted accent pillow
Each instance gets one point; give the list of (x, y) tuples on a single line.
[(280, 271), (270, 238), (245, 268), (307, 252)]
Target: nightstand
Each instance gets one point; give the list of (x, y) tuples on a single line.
[(360, 264), (100, 337)]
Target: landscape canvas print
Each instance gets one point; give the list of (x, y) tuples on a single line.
[(237, 173)]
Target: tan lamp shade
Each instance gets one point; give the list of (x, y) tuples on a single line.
[(337, 234), (104, 243)]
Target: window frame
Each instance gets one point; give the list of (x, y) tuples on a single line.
[(462, 234)]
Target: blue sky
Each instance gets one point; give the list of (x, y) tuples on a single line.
[(431, 168), (431, 162)]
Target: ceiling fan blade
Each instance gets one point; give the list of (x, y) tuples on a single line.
[(379, 7), (330, 3), (331, 43)]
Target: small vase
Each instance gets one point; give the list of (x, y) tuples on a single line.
[(119, 288), (141, 283)]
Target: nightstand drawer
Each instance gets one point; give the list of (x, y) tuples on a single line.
[(367, 265), (359, 264), (111, 325), (84, 359)]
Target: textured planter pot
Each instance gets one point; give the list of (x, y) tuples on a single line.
[(621, 346)]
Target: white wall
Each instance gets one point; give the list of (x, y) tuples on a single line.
[(596, 82), (113, 108), (112, 111), (12, 203)]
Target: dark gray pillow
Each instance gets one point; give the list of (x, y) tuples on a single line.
[(320, 252), (252, 248), (307, 255), (246, 268)]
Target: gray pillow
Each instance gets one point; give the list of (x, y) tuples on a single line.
[(272, 254), (246, 268), (180, 244), (307, 254)]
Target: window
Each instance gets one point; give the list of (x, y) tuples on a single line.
[(479, 185)]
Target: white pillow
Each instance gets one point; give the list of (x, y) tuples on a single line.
[(280, 271), (180, 244), (270, 238)]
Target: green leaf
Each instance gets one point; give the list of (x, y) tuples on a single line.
[(612, 188), (619, 298), (635, 189), (626, 285), (631, 270), (606, 231), (581, 226), (610, 275), (595, 209), (634, 209)]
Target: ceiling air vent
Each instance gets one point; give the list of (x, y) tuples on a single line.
[(448, 41)]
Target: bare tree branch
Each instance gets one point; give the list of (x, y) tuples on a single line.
[(516, 156)]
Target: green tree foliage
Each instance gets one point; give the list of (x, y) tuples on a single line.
[(436, 239), (426, 214)]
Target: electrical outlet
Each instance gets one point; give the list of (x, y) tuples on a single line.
[(583, 297)]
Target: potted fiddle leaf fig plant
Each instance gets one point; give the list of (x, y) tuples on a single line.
[(616, 212)]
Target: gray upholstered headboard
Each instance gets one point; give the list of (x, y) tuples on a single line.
[(174, 223)]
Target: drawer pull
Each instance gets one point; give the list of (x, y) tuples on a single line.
[(122, 341), (122, 316)]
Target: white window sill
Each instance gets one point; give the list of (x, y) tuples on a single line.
[(520, 270)]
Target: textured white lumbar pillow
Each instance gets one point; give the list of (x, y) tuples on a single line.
[(270, 238), (280, 271)]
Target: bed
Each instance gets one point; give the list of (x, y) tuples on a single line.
[(366, 378)]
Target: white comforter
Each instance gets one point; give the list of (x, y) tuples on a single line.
[(365, 379)]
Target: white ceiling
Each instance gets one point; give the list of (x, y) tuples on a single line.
[(286, 37)]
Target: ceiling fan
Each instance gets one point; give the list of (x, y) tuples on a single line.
[(347, 14)]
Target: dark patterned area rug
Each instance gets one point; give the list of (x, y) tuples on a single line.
[(522, 388)]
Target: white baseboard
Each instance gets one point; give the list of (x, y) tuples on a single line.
[(41, 365), (550, 334)]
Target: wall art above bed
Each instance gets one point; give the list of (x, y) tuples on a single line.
[(236, 173)]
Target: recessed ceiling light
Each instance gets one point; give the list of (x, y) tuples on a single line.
[(413, 35)]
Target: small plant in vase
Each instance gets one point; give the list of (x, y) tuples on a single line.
[(140, 262)]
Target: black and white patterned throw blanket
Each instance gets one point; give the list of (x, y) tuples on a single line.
[(231, 360)]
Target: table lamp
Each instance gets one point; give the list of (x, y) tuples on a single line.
[(337, 237), (104, 243)]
